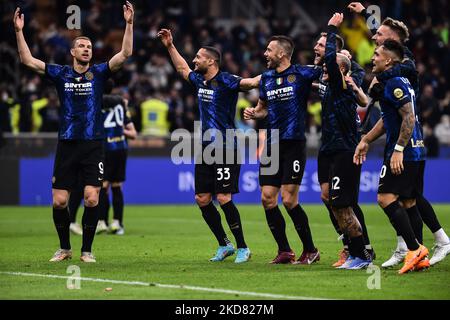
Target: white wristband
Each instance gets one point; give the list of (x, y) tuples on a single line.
[(399, 148)]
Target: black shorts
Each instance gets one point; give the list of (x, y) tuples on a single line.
[(291, 164), (115, 165), (343, 177), (407, 185), (77, 159), (217, 178)]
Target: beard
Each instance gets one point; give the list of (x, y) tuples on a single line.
[(201, 70), (273, 64)]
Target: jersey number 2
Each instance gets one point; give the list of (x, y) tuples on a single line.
[(335, 183)]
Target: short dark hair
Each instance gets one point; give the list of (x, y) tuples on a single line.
[(286, 43), (394, 47), (398, 27), (214, 52), (74, 41), (339, 41)]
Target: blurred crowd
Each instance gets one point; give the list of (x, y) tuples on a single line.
[(160, 101)]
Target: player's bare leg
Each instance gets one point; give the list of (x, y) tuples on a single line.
[(348, 222), (61, 219), (289, 195)]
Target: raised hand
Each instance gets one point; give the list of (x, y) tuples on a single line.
[(166, 37), (356, 7), (336, 19), (128, 12), (19, 20)]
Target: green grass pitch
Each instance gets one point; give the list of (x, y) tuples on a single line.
[(172, 244)]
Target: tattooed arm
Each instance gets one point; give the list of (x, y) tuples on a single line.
[(406, 130), (408, 121)]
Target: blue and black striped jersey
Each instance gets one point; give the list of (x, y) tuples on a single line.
[(340, 121), (397, 93), (116, 117), (286, 94), (80, 96), (217, 100)]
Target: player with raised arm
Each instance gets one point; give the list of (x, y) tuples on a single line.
[(401, 177), (398, 31), (284, 91), (118, 128), (217, 97), (340, 137), (81, 134), (354, 80)]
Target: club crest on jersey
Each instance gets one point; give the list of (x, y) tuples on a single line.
[(291, 78), (89, 76), (398, 93), (279, 81)]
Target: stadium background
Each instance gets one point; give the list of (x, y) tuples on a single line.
[(161, 102)]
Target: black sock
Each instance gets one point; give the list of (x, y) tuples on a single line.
[(89, 222), (117, 202), (400, 220), (277, 226), (427, 213), (301, 223), (357, 248), (345, 239), (416, 222), (360, 216), (103, 203), (234, 222), (212, 218), (61, 219), (76, 195)]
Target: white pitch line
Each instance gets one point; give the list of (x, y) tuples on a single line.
[(169, 286)]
